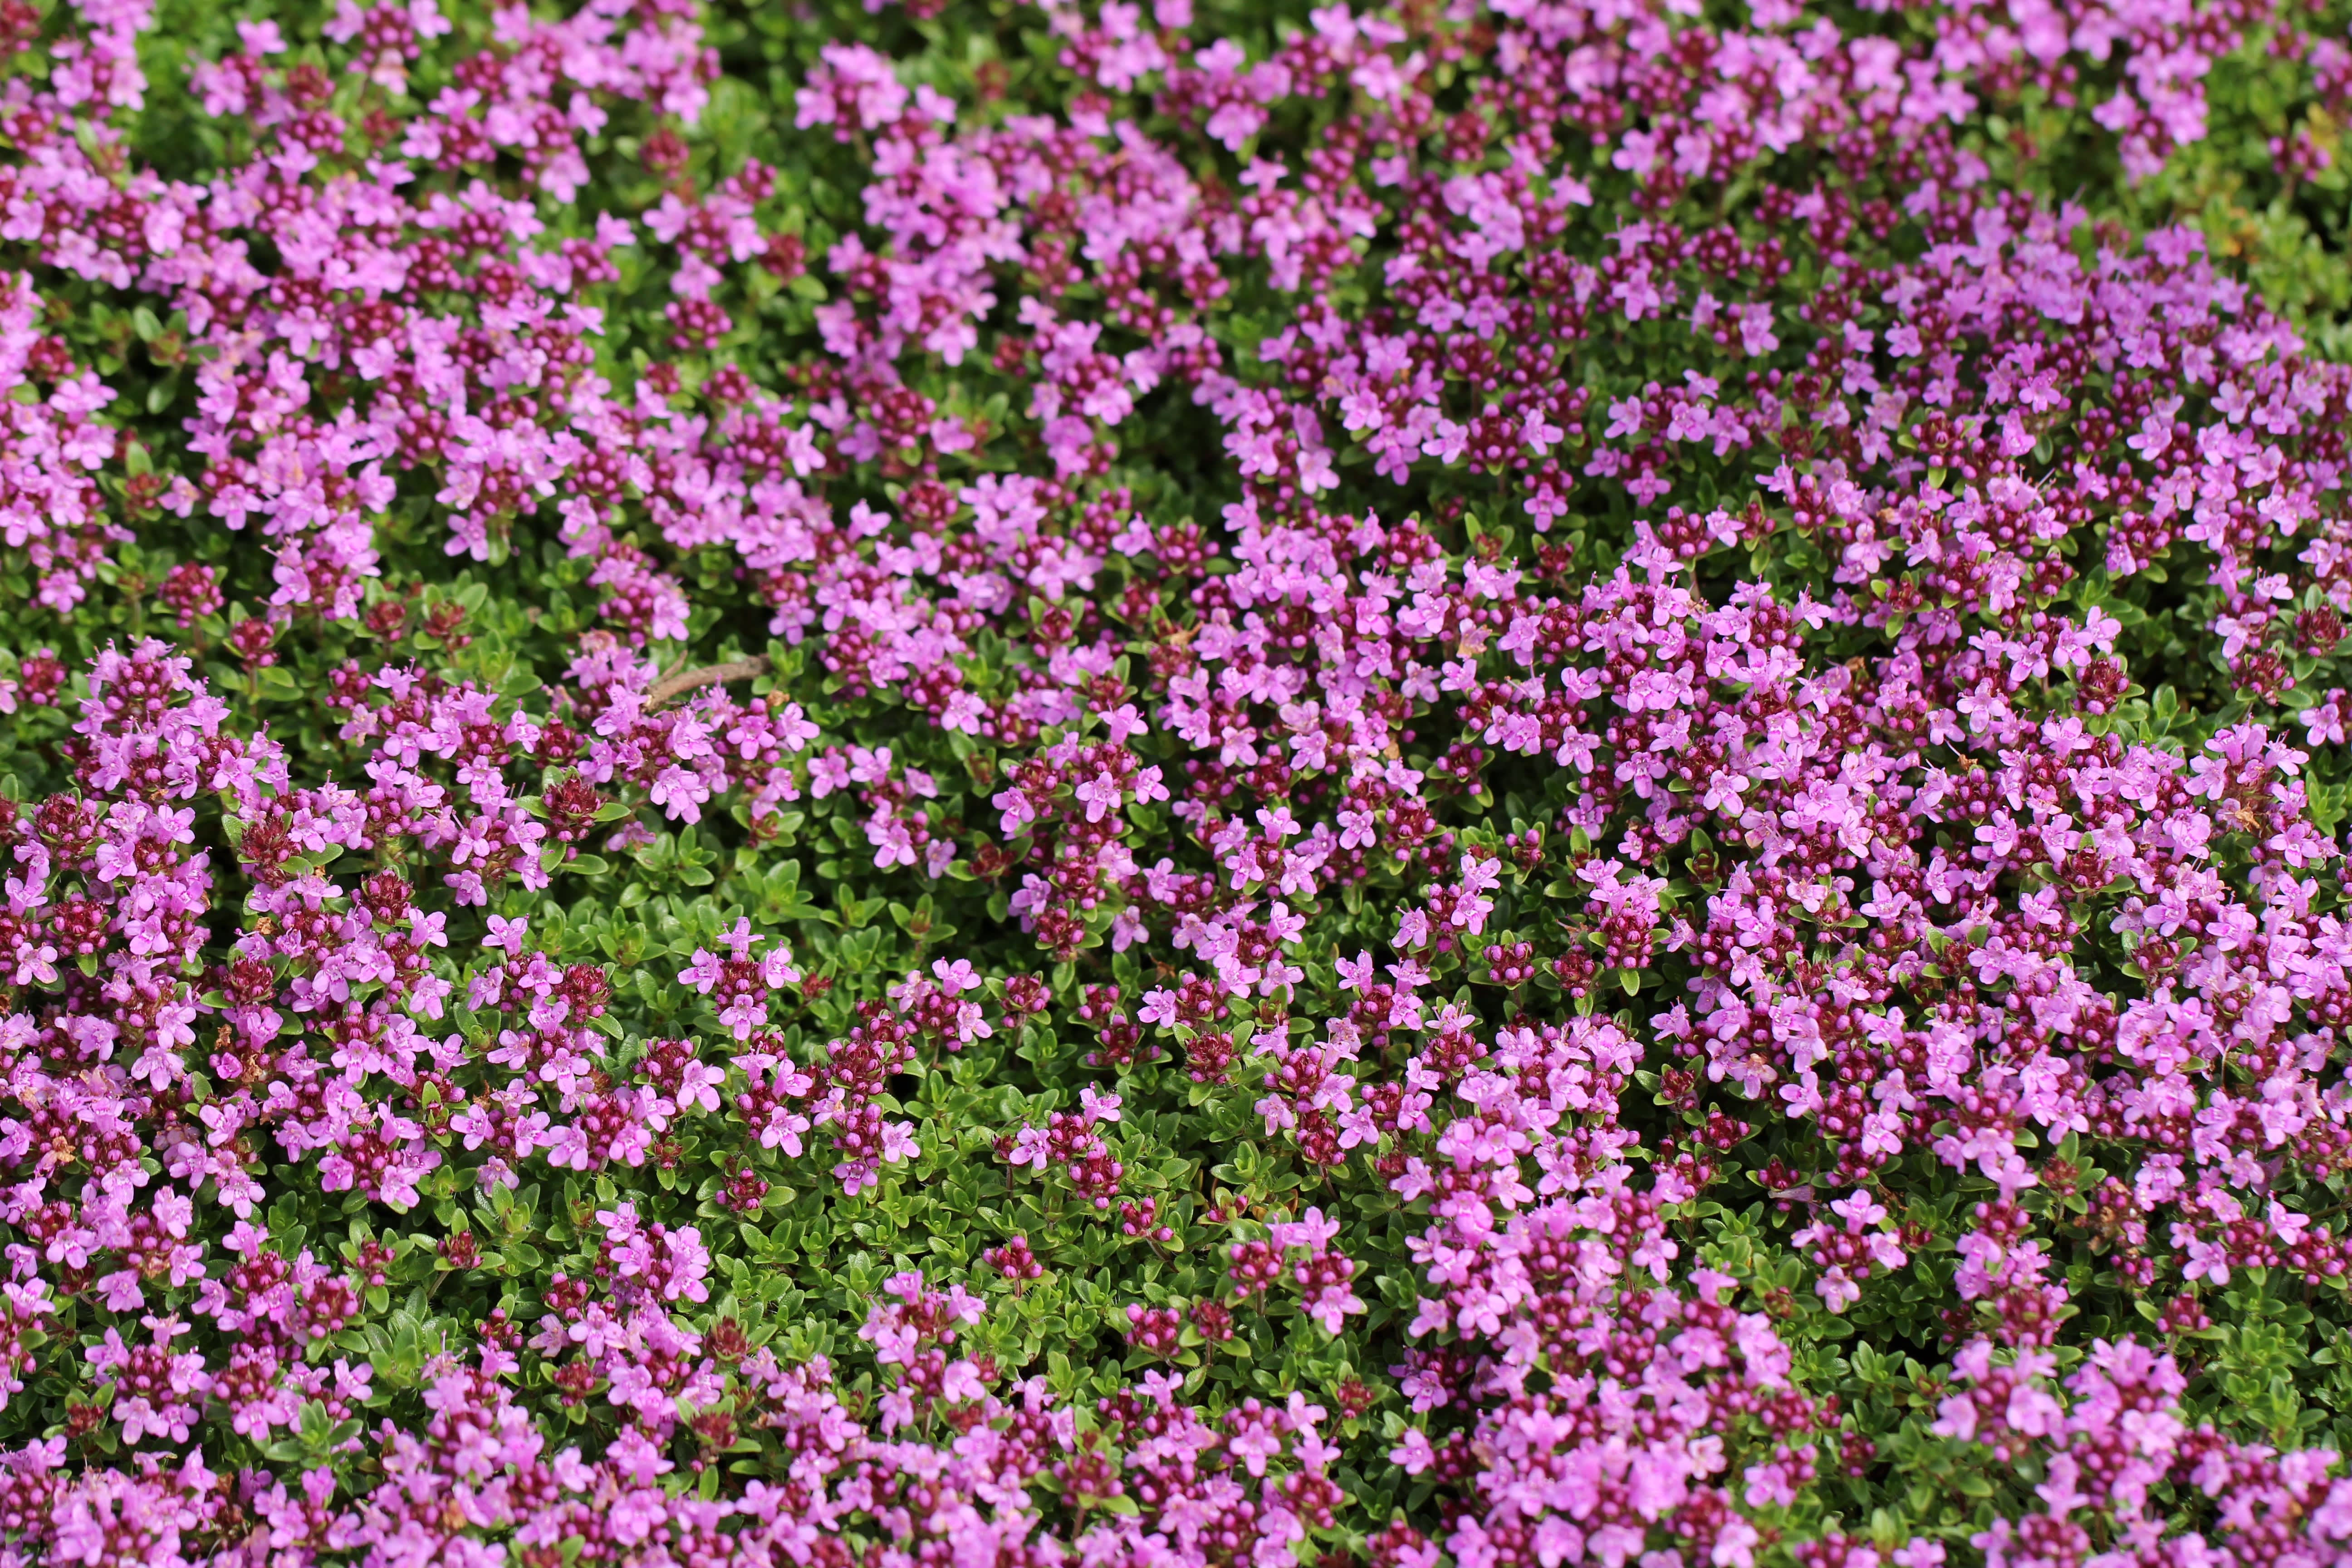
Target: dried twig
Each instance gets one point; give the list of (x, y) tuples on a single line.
[(678, 682)]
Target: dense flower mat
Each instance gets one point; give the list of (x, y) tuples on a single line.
[(1546, 784)]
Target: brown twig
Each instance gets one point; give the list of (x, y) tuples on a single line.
[(678, 682)]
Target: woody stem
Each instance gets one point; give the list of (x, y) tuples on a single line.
[(678, 682)]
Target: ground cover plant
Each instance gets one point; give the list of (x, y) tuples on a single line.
[(1195, 783)]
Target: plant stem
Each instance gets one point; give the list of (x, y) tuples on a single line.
[(684, 681)]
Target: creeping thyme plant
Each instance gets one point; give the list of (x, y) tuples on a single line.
[(859, 784)]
